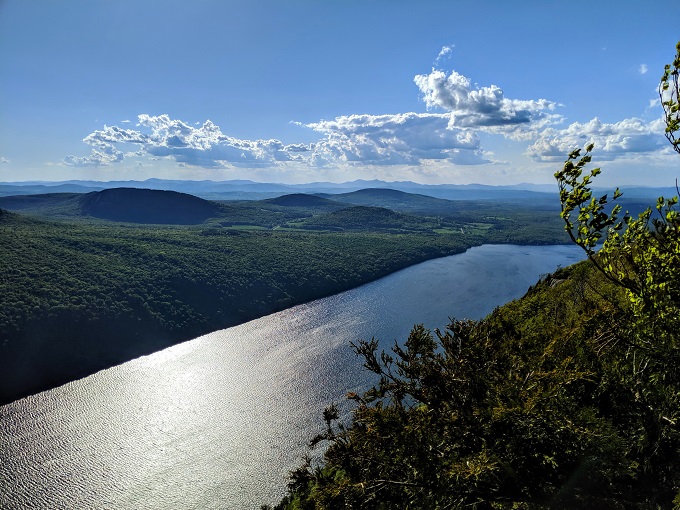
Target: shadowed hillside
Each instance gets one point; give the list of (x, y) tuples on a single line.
[(48, 204), (148, 206)]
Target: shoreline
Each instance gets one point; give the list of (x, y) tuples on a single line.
[(152, 341)]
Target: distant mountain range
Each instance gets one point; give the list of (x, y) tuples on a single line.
[(250, 190)]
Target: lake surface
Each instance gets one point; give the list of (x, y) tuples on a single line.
[(217, 422)]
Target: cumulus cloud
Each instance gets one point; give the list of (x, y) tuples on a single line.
[(484, 108), (401, 139), (104, 155), (628, 137), (643, 69), (392, 139), (3, 160), (162, 137)]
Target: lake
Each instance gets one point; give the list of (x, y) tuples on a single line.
[(217, 422)]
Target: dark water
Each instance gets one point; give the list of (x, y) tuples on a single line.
[(218, 421)]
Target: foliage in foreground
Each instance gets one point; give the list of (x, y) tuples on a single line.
[(544, 403)]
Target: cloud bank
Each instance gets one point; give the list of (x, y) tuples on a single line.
[(627, 138), (162, 137), (403, 139)]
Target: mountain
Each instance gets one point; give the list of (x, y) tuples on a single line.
[(245, 189), (7, 189), (148, 206), (242, 189), (118, 204), (47, 204), (393, 199), (304, 200)]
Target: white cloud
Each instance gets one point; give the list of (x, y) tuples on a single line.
[(114, 134), (402, 139), (445, 52), (163, 137), (629, 137), (3, 160), (103, 157), (643, 69), (407, 138), (484, 108)]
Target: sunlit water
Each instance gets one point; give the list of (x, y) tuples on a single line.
[(217, 422)]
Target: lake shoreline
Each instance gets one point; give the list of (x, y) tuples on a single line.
[(149, 341), (219, 421)]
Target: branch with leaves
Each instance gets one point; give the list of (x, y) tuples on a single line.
[(669, 94), (639, 254)]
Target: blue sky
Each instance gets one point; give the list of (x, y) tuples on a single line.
[(482, 91)]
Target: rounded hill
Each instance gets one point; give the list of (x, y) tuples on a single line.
[(395, 200), (301, 200), (136, 205)]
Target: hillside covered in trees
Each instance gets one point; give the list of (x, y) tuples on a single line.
[(544, 403)]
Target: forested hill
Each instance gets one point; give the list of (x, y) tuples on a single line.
[(395, 200), (304, 200), (361, 217), (118, 204), (76, 297), (147, 206)]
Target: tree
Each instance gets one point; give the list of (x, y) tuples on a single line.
[(641, 254), (669, 94)]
